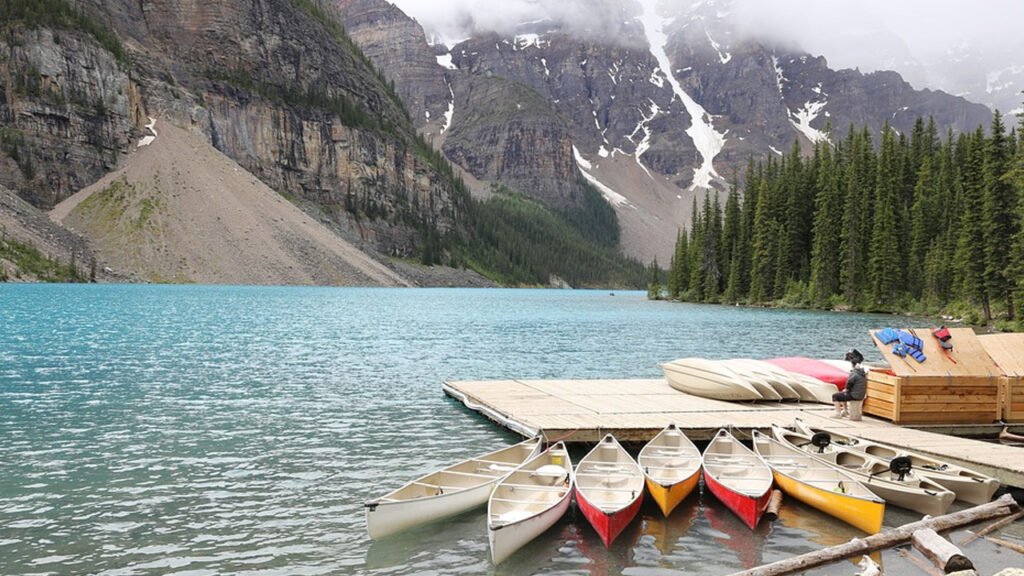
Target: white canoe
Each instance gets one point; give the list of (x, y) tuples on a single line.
[(779, 380), (809, 388), (529, 501), (756, 379), (708, 379), (913, 492), (445, 493), (968, 485)]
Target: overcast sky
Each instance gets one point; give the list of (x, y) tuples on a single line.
[(901, 30)]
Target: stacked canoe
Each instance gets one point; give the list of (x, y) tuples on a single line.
[(745, 379)]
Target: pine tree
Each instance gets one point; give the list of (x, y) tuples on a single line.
[(923, 226), (654, 284), (1016, 269), (825, 250), (763, 250), (999, 224), (970, 252), (710, 260), (884, 268)]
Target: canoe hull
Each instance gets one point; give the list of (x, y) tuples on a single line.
[(968, 485), (608, 525), (506, 540), (708, 379), (749, 509), (444, 493), (865, 515), (918, 494), (386, 518), (671, 465), (669, 496), (529, 501)]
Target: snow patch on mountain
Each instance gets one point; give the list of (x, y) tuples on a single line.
[(723, 56), (779, 76), (445, 61), (709, 142), (802, 118), (524, 41), (613, 197), (451, 107), (645, 143)]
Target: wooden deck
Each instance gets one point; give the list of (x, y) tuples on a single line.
[(635, 410)]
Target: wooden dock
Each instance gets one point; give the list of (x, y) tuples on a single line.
[(635, 410)]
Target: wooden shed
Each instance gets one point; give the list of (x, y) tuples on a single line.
[(958, 387), (1007, 350)]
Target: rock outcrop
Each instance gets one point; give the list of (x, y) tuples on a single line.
[(632, 118), (276, 85)]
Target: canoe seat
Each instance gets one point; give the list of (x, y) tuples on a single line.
[(606, 467), (549, 470), (514, 516), (671, 452), (496, 468)]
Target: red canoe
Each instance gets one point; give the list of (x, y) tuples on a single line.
[(609, 488), (814, 368), (737, 477)]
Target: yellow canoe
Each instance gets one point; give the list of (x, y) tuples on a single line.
[(671, 465), (816, 484)]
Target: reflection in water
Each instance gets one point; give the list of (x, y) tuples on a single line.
[(455, 535), (799, 523), (726, 528)]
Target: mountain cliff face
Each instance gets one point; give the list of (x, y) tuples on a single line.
[(660, 107), (68, 109), (276, 85)]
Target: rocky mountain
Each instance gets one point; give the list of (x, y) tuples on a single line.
[(275, 85), (660, 108), (180, 211)]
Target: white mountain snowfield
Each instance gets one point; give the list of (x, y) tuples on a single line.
[(709, 142)]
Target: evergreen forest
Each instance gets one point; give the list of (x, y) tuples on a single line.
[(923, 222)]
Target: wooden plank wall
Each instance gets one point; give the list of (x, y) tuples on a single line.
[(933, 399), (1007, 350)]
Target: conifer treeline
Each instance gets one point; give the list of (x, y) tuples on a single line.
[(916, 223)]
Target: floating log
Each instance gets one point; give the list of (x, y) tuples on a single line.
[(940, 551), (992, 527), (1006, 543), (892, 537), (774, 503), (921, 563), (1007, 436)]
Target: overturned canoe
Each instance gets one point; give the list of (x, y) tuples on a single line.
[(826, 371), (708, 379)]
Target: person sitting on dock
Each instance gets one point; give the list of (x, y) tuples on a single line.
[(856, 386)]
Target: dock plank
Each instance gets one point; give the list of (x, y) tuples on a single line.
[(635, 410)]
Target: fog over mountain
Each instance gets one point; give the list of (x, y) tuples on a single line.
[(973, 50)]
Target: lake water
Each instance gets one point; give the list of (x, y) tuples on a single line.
[(211, 430)]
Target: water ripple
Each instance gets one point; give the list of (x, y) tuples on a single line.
[(209, 430)]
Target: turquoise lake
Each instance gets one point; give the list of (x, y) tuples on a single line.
[(223, 430)]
